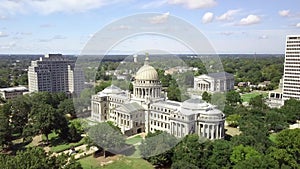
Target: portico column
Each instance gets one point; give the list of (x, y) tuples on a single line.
[(204, 130), (217, 132), (221, 133), (152, 92), (208, 131), (213, 132)]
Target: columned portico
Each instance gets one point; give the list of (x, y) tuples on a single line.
[(146, 82), (210, 130)]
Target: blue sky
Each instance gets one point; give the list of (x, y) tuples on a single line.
[(65, 26)]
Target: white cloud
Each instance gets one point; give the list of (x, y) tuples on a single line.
[(284, 13), (8, 46), (154, 4), (121, 27), (207, 17), (194, 4), (263, 37), (46, 25), (250, 20), (59, 37), (52, 6), (160, 18), (2, 17), (298, 25), (12, 7), (226, 33), (228, 16), (26, 33), (56, 37), (2, 34)]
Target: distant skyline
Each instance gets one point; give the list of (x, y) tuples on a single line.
[(65, 26)]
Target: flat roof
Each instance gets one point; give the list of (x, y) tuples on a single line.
[(12, 89)]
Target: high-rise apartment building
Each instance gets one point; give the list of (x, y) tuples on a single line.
[(55, 73), (291, 78)]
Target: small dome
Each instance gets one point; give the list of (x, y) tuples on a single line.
[(146, 72), (112, 89), (213, 112), (195, 104)]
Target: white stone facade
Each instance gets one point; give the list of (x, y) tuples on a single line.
[(214, 82), (146, 110)]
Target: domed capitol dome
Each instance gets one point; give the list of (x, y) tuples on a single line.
[(146, 82), (146, 72)]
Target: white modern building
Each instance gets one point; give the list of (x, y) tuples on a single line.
[(55, 73), (214, 82), (147, 109), (291, 77), (275, 96), (12, 92)]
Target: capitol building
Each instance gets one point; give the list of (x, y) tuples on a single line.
[(147, 109)]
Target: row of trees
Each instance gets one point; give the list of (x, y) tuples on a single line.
[(238, 152), (253, 148), (37, 113), (37, 158), (247, 69)]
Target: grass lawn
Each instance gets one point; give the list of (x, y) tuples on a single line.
[(130, 163), (124, 163), (246, 97), (66, 146), (89, 163), (58, 145), (137, 152), (134, 140)]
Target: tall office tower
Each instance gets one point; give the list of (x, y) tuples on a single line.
[(55, 73), (291, 78)]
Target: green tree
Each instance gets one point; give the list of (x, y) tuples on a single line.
[(241, 153), (74, 135), (45, 119), (102, 86), (67, 107), (258, 102), (233, 97), (287, 148), (221, 152), (106, 137), (256, 162), (253, 126), (219, 100), (233, 120), (37, 158), (206, 96), (157, 148), (183, 164), (276, 121), (20, 110), (291, 110), (190, 150), (5, 129), (57, 98)]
